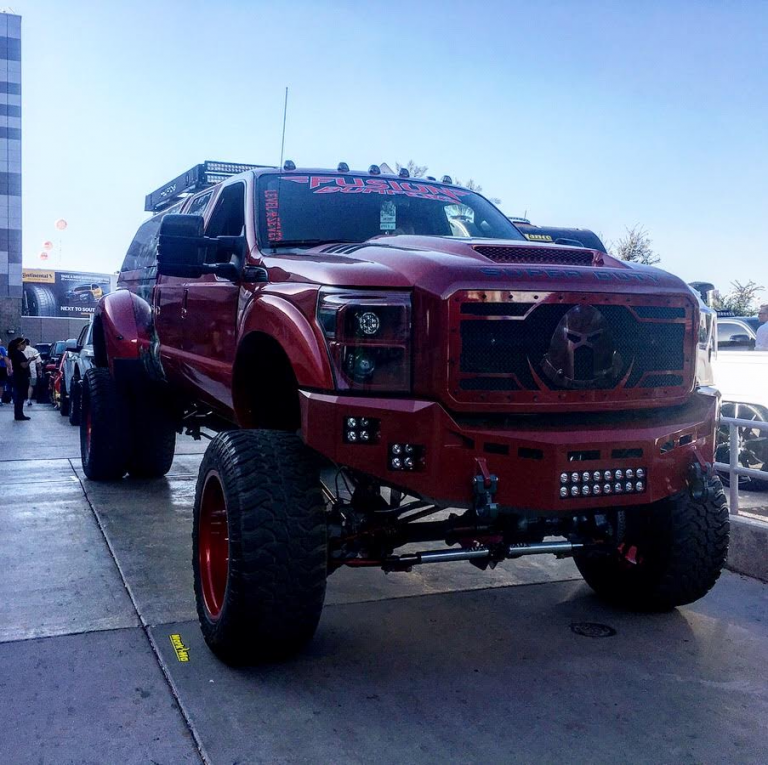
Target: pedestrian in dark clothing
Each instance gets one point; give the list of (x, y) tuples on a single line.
[(20, 377)]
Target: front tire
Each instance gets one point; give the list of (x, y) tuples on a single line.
[(105, 437), (260, 545), (671, 554)]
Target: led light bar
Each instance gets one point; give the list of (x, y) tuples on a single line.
[(602, 482)]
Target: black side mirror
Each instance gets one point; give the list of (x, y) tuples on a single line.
[(71, 345), (181, 247)]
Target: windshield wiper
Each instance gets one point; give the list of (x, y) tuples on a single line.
[(309, 242)]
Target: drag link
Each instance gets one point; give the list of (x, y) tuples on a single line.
[(401, 562)]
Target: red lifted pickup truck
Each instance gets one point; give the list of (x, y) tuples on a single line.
[(375, 350)]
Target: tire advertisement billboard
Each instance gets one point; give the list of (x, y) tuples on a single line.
[(72, 294)]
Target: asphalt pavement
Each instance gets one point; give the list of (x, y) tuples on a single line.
[(102, 661)]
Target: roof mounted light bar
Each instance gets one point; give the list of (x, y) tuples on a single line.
[(196, 178)]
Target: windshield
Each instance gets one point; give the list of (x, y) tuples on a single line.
[(297, 210)]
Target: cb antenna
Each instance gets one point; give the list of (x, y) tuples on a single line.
[(285, 114)]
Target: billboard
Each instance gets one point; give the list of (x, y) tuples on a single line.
[(73, 294)]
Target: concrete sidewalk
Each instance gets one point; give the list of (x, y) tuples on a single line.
[(445, 664)]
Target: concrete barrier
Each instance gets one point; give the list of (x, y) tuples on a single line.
[(748, 551)]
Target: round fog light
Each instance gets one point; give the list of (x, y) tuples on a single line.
[(596, 489), (563, 491), (397, 449), (352, 436), (640, 473), (575, 477), (585, 490), (618, 488), (397, 463), (607, 489), (618, 475), (629, 486), (630, 473), (351, 422), (563, 477), (585, 476), (574, 491), (639, 486)]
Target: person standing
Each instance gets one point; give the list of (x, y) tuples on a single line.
[(20, 376), (761, 340), (5, 371), (34, 362)]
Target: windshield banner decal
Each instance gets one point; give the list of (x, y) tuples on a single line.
[(272, 210), (324, 184)]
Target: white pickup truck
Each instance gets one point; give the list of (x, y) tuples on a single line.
[(742, 377)]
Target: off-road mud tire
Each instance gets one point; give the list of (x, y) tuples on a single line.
[(75, 402), (679, 545), (277, 545), (105, 436), (154, 437)]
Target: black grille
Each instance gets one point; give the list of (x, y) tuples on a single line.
[(496, 309), (536, 255), (488, 383), (659, 312), (524, 348)]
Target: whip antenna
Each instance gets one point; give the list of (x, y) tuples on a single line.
[(285, 114)]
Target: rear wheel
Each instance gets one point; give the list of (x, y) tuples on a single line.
[(63, 400), (260, 545), (154, 437), (105, 437), (671, 553), (74, 403)]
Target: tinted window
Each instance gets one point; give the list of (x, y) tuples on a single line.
[(338, 208), (228, 218), (198, 204), (142, 252)]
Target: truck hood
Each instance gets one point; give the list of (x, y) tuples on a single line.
[(441, 265)]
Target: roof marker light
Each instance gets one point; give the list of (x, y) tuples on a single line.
[(374, 170), (446, 179), (343, 167), (431, 178), (404, 173), (289, 165)]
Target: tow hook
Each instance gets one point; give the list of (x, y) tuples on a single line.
[(699, 474), (485, 485)]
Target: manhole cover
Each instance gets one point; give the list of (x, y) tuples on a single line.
[(592, 629)]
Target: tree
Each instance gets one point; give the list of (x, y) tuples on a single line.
[(478, 189), (414, 170), (635, 247), (742, 299)]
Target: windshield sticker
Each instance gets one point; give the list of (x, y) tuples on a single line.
[(388, 216), (538, 237), (324, 184), (272, 208)]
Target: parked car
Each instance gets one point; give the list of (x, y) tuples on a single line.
[(77, 361), (55, 377), (736, 333), (551, 395)]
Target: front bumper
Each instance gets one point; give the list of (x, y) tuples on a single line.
[(527, 454)]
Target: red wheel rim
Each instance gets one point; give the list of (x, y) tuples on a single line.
[(213, 550)]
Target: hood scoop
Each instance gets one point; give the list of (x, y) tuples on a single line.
[(539, 255)]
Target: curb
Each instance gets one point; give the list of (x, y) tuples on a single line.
[(748, 550)]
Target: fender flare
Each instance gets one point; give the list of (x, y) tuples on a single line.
[(126, 326), (289, 327)]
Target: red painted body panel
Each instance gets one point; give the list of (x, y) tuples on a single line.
[(201, 323), (452, 448), (286, 313), (127, 323)]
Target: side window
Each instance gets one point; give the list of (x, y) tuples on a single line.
[(142, 252), (81, 338), (198, 204), (228, 217), (733, 334)]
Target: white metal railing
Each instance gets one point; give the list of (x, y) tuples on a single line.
[(734, 469)]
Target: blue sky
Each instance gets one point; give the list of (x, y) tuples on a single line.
[(594, 114)]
